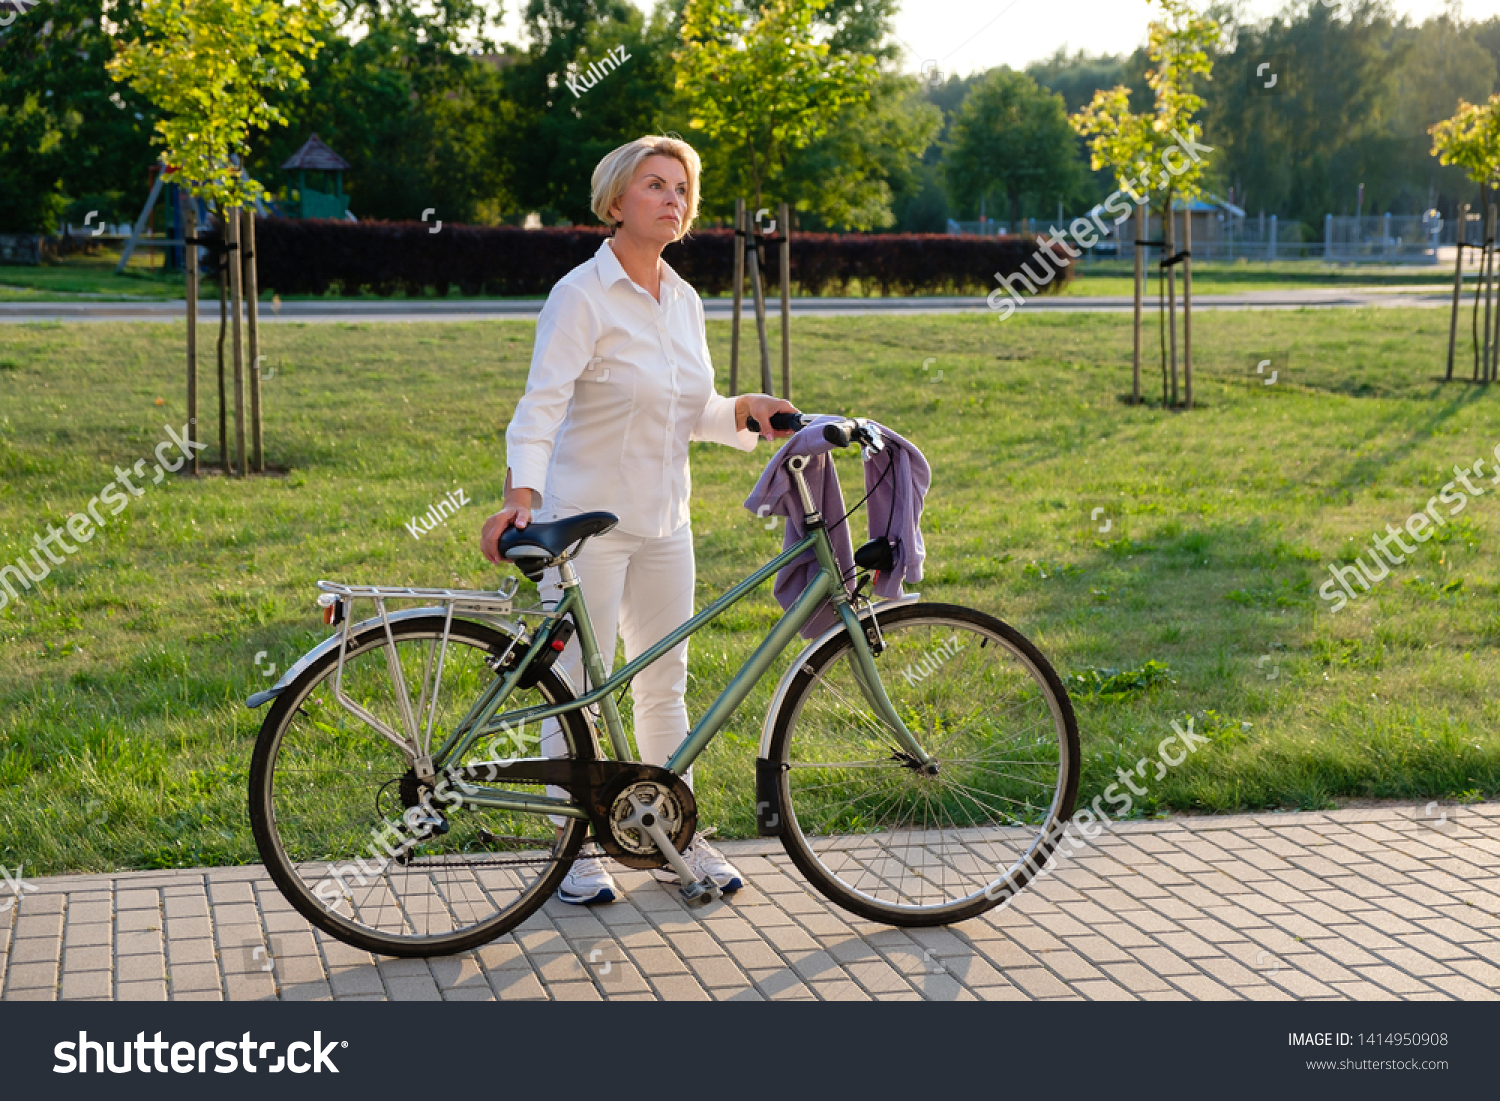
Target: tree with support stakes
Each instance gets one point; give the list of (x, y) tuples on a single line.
[(1140, 150), (209, 66), (754, 77), (1471, 140)]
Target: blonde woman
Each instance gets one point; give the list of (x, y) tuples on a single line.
[(620, 382)]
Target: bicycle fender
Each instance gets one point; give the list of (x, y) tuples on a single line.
[(785, 684), (333, 641)]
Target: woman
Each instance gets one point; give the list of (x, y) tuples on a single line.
[(620, 382)]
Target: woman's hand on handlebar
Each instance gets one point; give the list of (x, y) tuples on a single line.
[(514, 513), (761, 407)]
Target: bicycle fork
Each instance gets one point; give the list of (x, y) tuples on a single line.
[(862, 663)]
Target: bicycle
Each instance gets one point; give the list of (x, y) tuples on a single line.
[(921, 798)]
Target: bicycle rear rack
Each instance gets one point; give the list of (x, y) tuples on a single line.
[(417, 743)]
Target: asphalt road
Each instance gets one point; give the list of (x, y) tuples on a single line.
[(399, 310)]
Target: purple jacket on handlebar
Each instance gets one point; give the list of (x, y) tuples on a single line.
[(896, 480)]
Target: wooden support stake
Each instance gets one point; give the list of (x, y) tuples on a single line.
[(760, 311), (1458, 282), (739, 295), (236, 309), (190, 262), (1187, 308), (785, 223), (252, 294), (1141, 228), (1489, 286), (1168, 249)]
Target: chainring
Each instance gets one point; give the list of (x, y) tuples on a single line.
[(674, 805)]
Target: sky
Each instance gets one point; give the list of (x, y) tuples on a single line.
[(960, 37), (966, 36)]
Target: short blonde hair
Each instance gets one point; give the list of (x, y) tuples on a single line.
[(617, 169)]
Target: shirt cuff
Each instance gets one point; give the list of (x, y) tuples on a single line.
[(528, 468), (717, 424)]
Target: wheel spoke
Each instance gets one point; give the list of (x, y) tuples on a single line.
[(337, 798), (891, 840)]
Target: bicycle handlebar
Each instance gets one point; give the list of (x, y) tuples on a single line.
[(840, 434)]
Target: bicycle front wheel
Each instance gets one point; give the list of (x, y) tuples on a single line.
[(366, 852), (895, 843)]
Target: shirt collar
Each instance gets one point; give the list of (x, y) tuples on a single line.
[(611, 272)]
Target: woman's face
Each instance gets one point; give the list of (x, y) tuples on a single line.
[(655, 204)]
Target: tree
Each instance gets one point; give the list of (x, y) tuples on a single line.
[(1011, 137), (759, 82), (854, 174), (1132, 144), (1303, 151), (208, 66), (71, 139), (399, 92), (1471, 140), (560, 134)]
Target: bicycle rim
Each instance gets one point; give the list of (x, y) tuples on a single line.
[(864, 822), (353, 839)]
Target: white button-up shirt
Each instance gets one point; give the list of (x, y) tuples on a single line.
[(619, 385)]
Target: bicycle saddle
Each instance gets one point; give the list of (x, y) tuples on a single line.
[(533, 548)]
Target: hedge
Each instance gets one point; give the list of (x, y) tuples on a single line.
[(315, 256)]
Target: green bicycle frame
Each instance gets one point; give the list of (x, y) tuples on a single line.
[(482, 720)]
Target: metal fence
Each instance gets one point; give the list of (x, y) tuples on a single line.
[(1371, 238)]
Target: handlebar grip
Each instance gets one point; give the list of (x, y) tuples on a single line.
[(779, 421)]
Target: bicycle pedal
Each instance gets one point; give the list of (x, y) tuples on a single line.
[(701, 893)]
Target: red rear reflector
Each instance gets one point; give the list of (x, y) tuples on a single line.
[(559, 645)]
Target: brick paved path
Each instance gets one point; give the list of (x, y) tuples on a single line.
[(1392, 902)]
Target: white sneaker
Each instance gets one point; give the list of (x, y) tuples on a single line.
[(703, 860), (587, 881)]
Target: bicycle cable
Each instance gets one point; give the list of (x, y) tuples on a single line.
[(890, 518)]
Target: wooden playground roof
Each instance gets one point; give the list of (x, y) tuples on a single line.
[(314, 156)]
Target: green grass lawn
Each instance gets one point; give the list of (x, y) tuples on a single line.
[(92, 276), (124, 740)]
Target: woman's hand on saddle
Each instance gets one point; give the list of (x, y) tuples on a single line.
[(514, 513), (761, 406)]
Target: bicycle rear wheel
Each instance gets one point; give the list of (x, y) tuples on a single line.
[(867, 826), (335, 805)]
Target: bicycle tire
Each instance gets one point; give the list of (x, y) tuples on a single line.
[(303, 852), (871, 832)]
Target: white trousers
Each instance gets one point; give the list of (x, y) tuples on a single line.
[(637, 589)]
